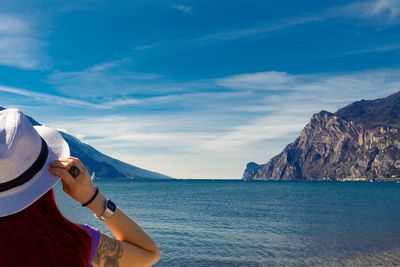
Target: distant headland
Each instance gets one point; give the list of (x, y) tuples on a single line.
[(359, 142)]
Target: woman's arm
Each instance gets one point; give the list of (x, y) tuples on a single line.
[(131, 246), (124, 229)]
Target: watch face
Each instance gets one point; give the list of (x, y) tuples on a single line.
[(111, 205)]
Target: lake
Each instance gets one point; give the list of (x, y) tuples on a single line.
[(259, 223)]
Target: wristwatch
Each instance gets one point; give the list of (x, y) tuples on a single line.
[(110, 209)]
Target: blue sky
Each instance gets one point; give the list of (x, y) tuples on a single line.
[(194, 89)]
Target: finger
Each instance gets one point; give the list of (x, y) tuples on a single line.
[(77, 162), (72, 160), (63, 174), (61, 164), (64, 160), (75, 158), (69, 159), (67, 164)]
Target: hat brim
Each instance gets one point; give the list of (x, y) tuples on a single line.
[(21, 197)]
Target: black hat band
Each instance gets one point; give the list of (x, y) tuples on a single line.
[(30, 172)]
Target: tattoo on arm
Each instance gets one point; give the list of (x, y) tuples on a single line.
[(109, 250)]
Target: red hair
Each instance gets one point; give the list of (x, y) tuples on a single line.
[(41, 236)]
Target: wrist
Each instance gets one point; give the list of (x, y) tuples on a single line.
[(87, 194), (97, 206), (110, 208), (96, 192)]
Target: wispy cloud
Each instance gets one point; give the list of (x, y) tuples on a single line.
[(279, 118), (105, 79), (115, 79), (383, 11), (270, 80), (184, 8), (288, 111), (383, 48), (46, 99), (378, 11), (256, 31), (253, 124), (258, 130), (143, 140), (20, 43), (146, 46), (355, 82), (372, 49)]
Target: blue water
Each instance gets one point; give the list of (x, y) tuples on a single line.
[(236, 223)]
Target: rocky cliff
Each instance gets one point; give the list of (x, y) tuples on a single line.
[(361, 140)]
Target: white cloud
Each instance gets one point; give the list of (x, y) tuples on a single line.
[(223, 131), (44, 98), (329, 83), (12, 24), (378, 11), (270, 80), (115, 80), (383, 48), (120, 102), (183, 8), (382, 11), (105, 79), (215, 131), (256, 31), (286, 113), (20, 44), (259, 129), (170, 144), (146, 46), (371, 49), (383, 7)]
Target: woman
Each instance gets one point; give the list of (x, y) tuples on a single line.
[(33, 230)]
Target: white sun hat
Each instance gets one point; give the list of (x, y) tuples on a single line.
[(25, 154)]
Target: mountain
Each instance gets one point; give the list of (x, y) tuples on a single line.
[(372, 113), (106, 166), (361, 140), (103, 165)]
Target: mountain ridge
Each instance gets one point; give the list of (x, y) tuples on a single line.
[(104, 166), (348, 144)]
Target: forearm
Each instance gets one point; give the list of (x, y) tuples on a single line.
[(122, 227), (138, 247)]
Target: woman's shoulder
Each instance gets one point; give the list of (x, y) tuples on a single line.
[(104, 247), (96, 235), (91, 230)]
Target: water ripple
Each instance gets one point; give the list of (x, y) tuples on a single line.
[(228, 223)]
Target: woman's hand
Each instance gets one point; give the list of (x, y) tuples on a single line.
[(80, 188), (132, 246)]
